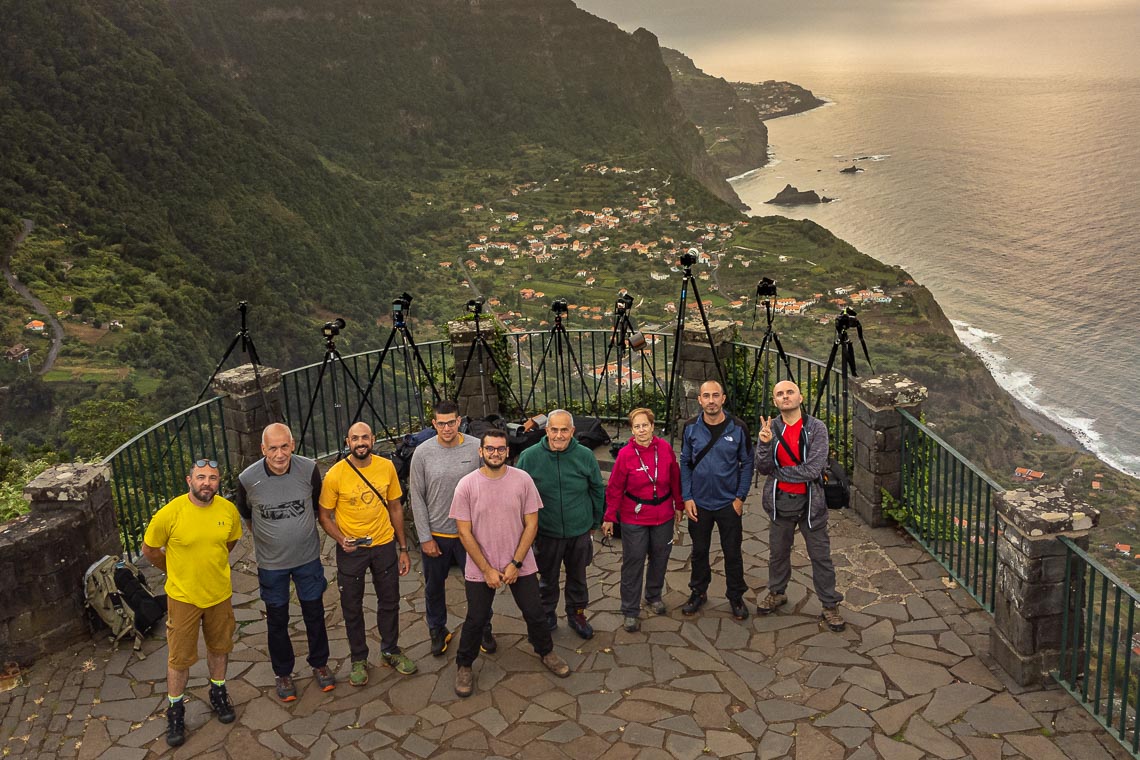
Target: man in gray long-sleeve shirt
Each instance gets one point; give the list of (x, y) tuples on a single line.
[(438, 465)]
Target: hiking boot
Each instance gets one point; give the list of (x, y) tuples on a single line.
[(771, 602), (464, 681), (658, 607), (325, 678), (631, 624), (488, 643), (556, 665), (286, 691), (696, 601), (220, 701), (579, 625), (834, 620), (439, 639), (551, 621), (399, 661), (359, 675), (176, 723), (739, 609)]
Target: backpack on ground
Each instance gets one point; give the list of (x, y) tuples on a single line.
[(401, 457), (836, 485), (116, 592)]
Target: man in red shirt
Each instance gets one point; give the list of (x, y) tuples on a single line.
[(792, 452)]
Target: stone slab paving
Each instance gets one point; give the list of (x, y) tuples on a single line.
[(910, 678)]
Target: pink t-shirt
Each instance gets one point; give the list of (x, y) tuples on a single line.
[(495, 509)]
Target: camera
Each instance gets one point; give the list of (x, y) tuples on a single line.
[(560, 306), (333, 328), (846, 319), (475, 305), (624, 303), (402, 302), (689, 257), (766, 288)]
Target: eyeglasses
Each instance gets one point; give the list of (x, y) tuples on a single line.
[(446, 423), (496, 449), (206, 463)]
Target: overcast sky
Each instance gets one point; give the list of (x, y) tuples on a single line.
[(731, 38)]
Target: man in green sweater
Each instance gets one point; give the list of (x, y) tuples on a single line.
[(573, 502)]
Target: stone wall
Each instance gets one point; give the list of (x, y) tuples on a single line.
[(43, 556), (699, 363), (477, 395), (878, 429)]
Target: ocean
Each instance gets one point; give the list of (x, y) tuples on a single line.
[(1014, 200)]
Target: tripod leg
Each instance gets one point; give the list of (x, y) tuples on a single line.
[(364, 395), (674, 370), (578, 366), (708, 335), (820, 392), (313, 399), (435, 397), (348, 373)]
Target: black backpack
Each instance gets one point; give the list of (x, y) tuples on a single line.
[(115, 591), (836, 485)]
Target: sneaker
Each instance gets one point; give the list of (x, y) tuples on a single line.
[(439, 639), (739, 609), (286, 691), (220, 701), (464, 681), (359, 675), (696, 601), (631, 624), (176, 723), (551, 621), (556, 665), (771, 602), (488, 643), (399, 661), (580, 625), (325, 678), (658, 607), (834, 620)]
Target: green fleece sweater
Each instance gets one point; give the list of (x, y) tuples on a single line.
[(570, 483)]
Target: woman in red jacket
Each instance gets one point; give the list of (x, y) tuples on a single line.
[(644, 495)]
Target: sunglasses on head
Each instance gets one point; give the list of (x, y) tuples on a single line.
[(206, 463)]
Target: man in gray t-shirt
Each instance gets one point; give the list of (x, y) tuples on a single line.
[(437, 466), (278, 496)]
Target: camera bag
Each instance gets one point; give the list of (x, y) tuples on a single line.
[(115, 591)]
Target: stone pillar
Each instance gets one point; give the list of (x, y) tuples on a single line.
[(878, 440), (478, 396), (697, 363), (44, 554), (251, 400), (1030, 591)]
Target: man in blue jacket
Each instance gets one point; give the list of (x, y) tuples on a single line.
[(716, 473), (793, 453), (573, 503)]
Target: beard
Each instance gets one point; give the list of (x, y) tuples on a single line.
[(494, 467)]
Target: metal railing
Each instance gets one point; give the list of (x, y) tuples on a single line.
[(949, 509), (1099, 660), (150, 469)]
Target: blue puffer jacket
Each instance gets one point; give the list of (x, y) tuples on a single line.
[(725, 473)]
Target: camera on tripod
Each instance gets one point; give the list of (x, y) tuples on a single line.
[(846, 320), (766, 288), (400, 306), (624, 304), (475, 305), (560, 306), (689, 257), (333, 328)]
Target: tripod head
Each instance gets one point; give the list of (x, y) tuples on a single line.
[(844, 322), (400, 306), (329, 331), (559, 307), (688, 258), (765, 292)]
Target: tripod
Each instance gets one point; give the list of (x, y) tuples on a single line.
[(330, 331), (687, 262), (770, 337), (620, 337), (479, 343), (560, 341), (846, 351), (400, 326)]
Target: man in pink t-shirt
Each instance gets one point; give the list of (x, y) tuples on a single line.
[(496, 513)]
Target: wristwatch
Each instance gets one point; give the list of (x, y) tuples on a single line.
[(516, 563), (403, 548)]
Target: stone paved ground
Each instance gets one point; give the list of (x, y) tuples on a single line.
[(910, 678)]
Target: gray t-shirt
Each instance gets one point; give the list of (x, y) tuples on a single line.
[(282, 510), (435, 473)]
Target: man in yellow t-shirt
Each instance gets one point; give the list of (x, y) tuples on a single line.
[(361, 511), (190, 539)]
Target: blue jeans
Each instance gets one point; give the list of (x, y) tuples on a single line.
[(309, 579)]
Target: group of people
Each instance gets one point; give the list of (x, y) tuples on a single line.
[(528, 527)]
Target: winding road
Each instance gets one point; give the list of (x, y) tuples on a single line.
[(37, 304)]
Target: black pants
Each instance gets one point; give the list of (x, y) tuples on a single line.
[(731, 535), (551, 554), (351, 570), (281, 654), (480, 597), (637, 543)]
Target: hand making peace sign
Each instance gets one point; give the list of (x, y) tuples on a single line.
[(765, 429)]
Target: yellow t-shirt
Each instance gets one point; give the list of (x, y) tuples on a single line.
[(197, 558), (358, 512)]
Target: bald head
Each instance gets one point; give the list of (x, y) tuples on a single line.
[(360, 441), (277, 447), (787, 397)]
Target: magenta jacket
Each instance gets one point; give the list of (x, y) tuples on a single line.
[(632, 475)]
